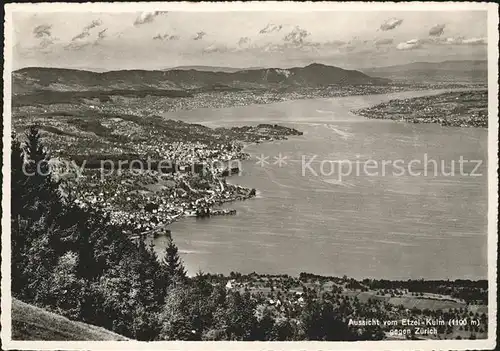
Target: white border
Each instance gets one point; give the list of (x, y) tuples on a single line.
[(281, 6), (493, 57)]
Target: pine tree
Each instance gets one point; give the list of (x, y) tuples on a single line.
[(18, 239), (18, 179), (35, 150), (75, 261), (172, 265), (44, 191), (18, 188)]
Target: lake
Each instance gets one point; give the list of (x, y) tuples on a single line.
[(365, 224)]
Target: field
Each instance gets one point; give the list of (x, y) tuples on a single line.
[(384, 300)]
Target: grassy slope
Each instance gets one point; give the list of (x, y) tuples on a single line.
[(33, 323)]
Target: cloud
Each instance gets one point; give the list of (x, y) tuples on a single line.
[(271, 28), (43, 33), (166, 36), (287, 47), (244, 41), (335, 43), (296, 43), (418, 43), (390, 24), (437, 30), (43, 30), (454, 41), (385, 41), (102, 34), (349, 47), (296, 36), (450, 41), (199, 35), (409, 45), (46, 42), (93, 24), (77, 45), (354, 44), (432, 41), (147, 17), (80, 36), (272, 48), (215, 48), (77, 42), (86, 30), (474, 41)]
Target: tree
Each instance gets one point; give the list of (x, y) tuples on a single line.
[(43, 189), (175, 321), (35, 235), (19, 229), (240, 317), (18, 178), (310, 320), (66, 287), (172, 265), (37, 157), (38, 263), (74, 261), (283, 329), (265, 325), (321, 322)]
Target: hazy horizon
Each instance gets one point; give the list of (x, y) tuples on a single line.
[(100, 70)]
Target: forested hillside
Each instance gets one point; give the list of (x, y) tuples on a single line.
[(75, 263)]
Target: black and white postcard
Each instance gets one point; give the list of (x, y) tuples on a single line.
[(250, 176)]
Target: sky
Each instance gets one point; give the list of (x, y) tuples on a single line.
[(163, 39)]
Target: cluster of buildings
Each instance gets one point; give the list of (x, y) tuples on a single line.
[(121, 130), (145, 202), (155, 105), (456, 109), (143, 170), (287, 295)]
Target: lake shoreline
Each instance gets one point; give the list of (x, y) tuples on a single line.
[(247, 144), (440, 109), (251, 213)]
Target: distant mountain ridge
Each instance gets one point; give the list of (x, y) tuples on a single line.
[(467, 70), (32, 79)]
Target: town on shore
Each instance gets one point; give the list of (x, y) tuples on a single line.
[(451, 109), (118, 204), (121, 131), (192, 181), (75, 261)]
